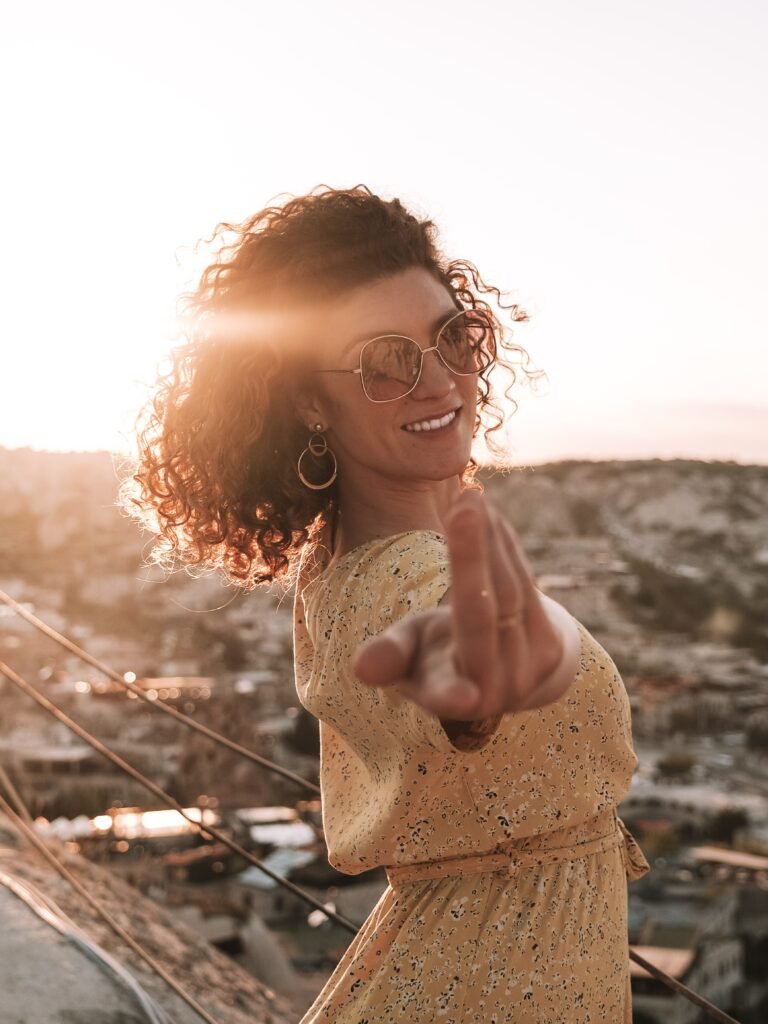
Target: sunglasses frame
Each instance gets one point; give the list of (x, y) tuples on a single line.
[(423, 351)]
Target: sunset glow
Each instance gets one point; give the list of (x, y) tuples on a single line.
[(604, 166)]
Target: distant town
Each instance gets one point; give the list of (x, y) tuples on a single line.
[(664, 562)]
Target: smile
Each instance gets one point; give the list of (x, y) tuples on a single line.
[(437, 424)]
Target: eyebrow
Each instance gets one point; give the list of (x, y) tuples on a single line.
[(369, 335)]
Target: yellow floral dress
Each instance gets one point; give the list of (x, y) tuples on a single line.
[(507, 862)]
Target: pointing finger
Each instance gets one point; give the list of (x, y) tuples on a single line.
[(473, 601), (511, 602), (526, 579)]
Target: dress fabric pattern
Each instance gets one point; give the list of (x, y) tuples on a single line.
[(507, 862)]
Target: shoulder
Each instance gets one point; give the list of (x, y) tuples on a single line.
[(384, 578), (402, 554), (409, 552), (393, 566)]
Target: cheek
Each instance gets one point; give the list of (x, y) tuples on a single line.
[(347, 413), (469, 388), (360, 422)]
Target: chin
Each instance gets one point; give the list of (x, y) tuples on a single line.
[(438, 469)]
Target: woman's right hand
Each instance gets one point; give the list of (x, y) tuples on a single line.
[(491, 646)]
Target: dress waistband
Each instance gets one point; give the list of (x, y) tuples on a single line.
[(603, 832)]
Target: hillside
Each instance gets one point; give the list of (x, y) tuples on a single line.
[(677, 548)]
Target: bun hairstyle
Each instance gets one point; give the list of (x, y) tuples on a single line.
[(218, 441)]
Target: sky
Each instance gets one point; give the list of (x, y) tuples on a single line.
[(604, 164)]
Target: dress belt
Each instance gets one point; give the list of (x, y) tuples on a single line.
[(603, 832)]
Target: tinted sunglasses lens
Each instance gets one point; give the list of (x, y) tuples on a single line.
[(390, 366), (464, 342)]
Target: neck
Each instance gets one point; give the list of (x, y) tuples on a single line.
[(368, 513)]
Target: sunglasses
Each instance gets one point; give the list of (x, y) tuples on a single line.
[(390, 365)]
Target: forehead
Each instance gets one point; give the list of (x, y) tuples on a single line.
[(407, 302)]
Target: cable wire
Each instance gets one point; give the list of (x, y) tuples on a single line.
[(21, 807), (167, 709), (683, 990), (205, 831), (65, 873)]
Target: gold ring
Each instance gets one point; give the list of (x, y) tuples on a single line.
[(510, 620)]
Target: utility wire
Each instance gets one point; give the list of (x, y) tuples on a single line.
[(22, 808), (206, 831), (160, 705), (683, 990), (56, 864)]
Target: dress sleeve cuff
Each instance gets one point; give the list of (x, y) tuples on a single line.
[(470, 735), (564, 673)]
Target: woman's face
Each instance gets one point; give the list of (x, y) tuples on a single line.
[(370, 438)]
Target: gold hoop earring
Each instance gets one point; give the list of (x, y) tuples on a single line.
[(317, 449)]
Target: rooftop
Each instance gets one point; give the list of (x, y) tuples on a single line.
[(75, 987)]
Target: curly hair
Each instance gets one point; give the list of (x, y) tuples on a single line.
[(216, 477)]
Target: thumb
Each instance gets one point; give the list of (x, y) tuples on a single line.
[(386, 658)]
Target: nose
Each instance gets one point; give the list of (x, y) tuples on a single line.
[(436, 379)]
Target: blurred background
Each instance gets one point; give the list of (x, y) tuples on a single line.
[(604, 165)]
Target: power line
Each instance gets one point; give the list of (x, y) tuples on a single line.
[(11, 790), (206, 831), (683, 990), (167, 709)]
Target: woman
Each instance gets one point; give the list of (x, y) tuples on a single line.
[(316, 429)]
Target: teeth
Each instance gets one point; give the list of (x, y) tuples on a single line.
[(433, 424)]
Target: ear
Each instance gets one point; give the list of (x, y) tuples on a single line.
[(311, 409)]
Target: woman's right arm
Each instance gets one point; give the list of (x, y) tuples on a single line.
[(463, 646), (473, 733)]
